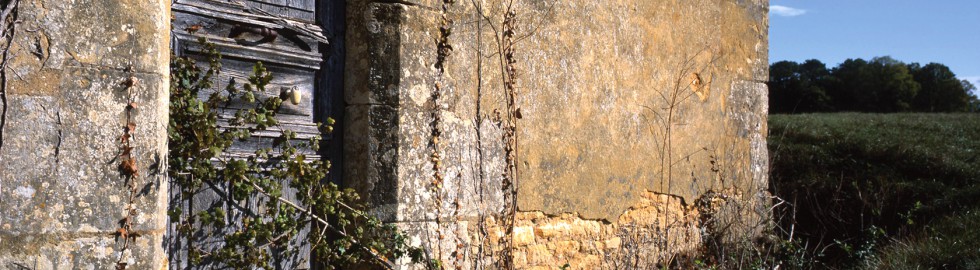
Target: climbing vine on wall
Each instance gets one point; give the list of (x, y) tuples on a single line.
[(272, 203), (8, 19), (131, 174)]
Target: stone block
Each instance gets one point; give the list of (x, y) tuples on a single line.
[(92, 33), (565, 249), (613, 243), (585, 262), (539, 255), (553, 229), (520, 256), (585, 228), (523, 236)]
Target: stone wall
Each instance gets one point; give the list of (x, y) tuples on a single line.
[(467, 118), (528, 133), (651, 231), (73, 71)]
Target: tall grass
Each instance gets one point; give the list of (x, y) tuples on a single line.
[(869, 189), (950, 243)]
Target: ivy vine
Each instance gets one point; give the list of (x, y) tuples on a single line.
[(273, 202)]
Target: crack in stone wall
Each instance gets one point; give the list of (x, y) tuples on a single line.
[(61, 138)]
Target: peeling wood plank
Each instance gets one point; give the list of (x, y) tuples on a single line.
[(256, 16), (230, 49)]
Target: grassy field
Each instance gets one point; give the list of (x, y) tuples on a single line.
[(898, 191)]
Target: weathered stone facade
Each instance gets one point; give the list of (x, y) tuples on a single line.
[(580, 115), (65, 98), (525, 132)]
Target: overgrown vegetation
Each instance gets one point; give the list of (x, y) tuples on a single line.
[(865, 191), (949, 243), (896, 191), (270, 205)]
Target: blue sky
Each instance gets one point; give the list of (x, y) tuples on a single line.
[(942, 31)]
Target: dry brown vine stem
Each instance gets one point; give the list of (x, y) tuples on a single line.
[(10, 5), (8, 38), (377, 257), (129, 170)]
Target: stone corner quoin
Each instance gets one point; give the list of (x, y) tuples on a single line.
[(65, 100)]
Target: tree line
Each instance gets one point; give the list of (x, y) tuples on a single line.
[(881, 85)]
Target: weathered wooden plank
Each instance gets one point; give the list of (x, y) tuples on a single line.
[(230, 49), (288, 9), (246, 149), (301, 29), (304, 131), (225, 13), (304, 109), (201, 26), (287, 111), (247, 11), (304, 5)]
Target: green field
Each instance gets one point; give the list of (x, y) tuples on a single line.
[(879, 190)]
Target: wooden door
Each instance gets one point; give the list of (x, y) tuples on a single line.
[(286, 37)]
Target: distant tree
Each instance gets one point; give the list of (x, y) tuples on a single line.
[(894, 84), (817, 78), (846, 89), (940, 90), (783, 83), (974, 100), (880, 85), (795, 88)]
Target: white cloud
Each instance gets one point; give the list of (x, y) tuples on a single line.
[(786, 11), (972, 79), (976, 82)]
